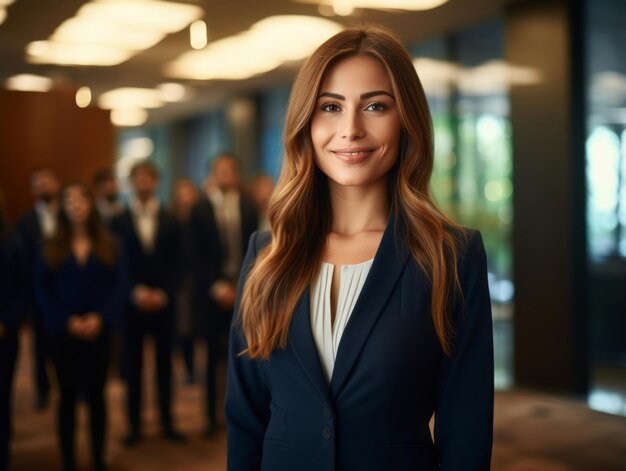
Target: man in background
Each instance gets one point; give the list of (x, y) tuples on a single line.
[(107, 195), (222, 222), (38, 224), (150, 237)]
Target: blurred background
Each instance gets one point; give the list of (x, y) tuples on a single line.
[(528, 99)]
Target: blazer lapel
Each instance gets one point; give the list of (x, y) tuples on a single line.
[(385, 272), (300, 339)]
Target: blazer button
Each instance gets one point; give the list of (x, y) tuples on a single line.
[(327, 413), (326, 433)]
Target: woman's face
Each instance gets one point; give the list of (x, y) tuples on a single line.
[(76, 204), (355, 128), (185, 194)]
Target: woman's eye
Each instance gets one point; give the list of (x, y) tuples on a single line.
[(376, 107), (332, 107)]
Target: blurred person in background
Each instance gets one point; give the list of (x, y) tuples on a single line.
[(223, 221), (33, 228), (261, 191), (80, 281), (107, 195), (12, 284), (184, 197), (150, 236)]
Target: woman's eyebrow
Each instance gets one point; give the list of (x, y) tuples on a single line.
[(363, 96)]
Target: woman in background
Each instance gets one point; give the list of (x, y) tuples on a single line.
[(366, 310), (11, 306), (185, 196), (80, 284)]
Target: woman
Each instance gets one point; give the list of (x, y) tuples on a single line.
[(184, 197), (80, 284), (366, 310), (11, 305)]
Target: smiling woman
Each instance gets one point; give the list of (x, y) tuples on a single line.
[(366, 310), (355, 127)]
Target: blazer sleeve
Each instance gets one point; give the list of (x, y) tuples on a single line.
[(12, 283), (112, 310), (54, 316), (464, 413), (247, 397)]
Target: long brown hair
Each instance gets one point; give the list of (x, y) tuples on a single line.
[(58, 247), (285, 268)]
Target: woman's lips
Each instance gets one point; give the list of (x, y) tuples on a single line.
[(352, 155)]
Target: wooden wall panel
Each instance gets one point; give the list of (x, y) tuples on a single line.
[(48, 129)]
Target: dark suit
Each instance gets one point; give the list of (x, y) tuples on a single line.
[(156, 269), (212, 320), (12, 283), (389, 377), (30, 233)]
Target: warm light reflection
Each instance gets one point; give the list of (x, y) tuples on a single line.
[(129, 117), (92, 31), (6, 3), (49, 52), (490, 78), (108, 32), (171, 92), (83, 97), (167, 17), (130, 98), (28, 83), (198, 34), (266, 45), (343, 6)]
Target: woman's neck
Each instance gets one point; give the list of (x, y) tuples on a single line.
[(79, 231), (357, 209)]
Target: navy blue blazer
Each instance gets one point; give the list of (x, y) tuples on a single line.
[(390, 376), (75, 289)]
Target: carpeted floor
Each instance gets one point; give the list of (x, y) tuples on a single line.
[(533, 432)]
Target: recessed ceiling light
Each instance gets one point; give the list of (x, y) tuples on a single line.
[(129, 97), (108, 32), (28, 83), (266, 45)]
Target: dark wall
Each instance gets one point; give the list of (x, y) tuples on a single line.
[(549, 200)]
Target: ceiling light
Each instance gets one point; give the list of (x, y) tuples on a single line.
[(83, 97), (95, 32), (198, 34), (292, 37), (128, 97), (167, 17), (171, 92), (495, 77), (265, 46), (108, 32), (129, 116), (49, 52), (28, 83), (342, 6)]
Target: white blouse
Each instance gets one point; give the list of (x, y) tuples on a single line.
[(326, 334)]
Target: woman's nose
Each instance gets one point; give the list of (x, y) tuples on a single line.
[(352, 126)]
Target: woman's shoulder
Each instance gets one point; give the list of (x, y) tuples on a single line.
[(261, 239)]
